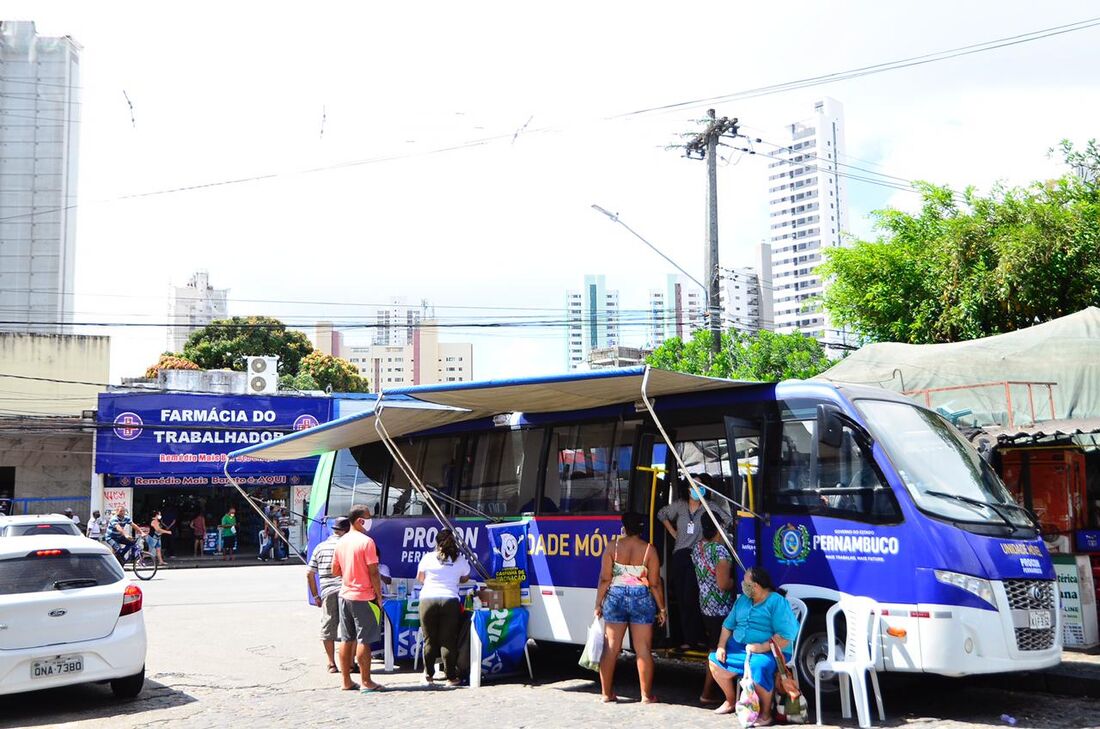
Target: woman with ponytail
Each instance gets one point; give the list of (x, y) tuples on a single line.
[(441, 572)]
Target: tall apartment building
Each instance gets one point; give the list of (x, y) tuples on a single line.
[(747, 295), (808, 207), (677, 310), (592, 315), (423, 361), (397, 322), (39, 147), (192, 307)]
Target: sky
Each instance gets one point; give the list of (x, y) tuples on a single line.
[(501, 225)]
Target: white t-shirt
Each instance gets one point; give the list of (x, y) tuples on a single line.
[(441, 578)]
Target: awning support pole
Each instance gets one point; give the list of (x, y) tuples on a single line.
[(252, 502), (684, 471), (410, 473)]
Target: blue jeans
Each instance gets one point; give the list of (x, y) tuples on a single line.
[(633, 605), (265, 548)]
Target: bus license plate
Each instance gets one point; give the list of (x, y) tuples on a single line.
[(59, 666), (1038, 619)]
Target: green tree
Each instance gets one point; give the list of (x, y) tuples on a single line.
[(763, 356), (225, 343), (319, 371), (968, 266)]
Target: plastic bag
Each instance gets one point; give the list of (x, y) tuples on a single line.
[(593, 646), (748, 703)]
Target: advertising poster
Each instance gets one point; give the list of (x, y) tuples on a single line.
[(114, 497), (404, 618), (1075, 588), (508, 561)]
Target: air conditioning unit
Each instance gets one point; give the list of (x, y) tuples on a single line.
[(263, 375)]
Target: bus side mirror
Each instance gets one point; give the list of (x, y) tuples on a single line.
[(830, 428)]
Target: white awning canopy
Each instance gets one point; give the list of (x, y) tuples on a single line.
[(427, 407), (399, 416)]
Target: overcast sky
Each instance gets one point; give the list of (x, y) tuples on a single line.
[(225, 91)]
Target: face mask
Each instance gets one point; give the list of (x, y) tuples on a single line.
[(365, 524), (747, 590)]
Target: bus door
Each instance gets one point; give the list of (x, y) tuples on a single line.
[(745, 438), (649, 484)]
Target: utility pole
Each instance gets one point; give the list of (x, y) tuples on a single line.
[(705, 146)]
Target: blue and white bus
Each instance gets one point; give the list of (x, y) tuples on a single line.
[(846, 490)]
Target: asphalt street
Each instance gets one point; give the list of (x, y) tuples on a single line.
[(238, 647)]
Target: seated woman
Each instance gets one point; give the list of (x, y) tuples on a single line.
[(760, 615)]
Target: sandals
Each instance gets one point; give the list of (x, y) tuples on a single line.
[(766, 722), (354, 687), (333, 669), (650, 700), (609, 699), (725, 708), (704, 701), (376, 688)]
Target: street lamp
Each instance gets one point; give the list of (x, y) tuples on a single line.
[(614, 217)]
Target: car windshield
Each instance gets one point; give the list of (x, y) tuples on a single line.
[(945, 474), (35, 530)]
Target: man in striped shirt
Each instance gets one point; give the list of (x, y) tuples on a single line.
[(324, 588)]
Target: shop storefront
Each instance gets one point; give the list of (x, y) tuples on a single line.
[(166, 452)]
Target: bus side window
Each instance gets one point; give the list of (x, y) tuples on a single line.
[(841, 481), (356, 479), (588, 469), (500, 474)]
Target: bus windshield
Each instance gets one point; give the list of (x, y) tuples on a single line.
[(944, 474)]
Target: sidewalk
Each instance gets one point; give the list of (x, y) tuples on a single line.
[(247, 559), (1078, 675)]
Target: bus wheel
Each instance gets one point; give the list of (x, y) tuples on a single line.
[(813, 648)]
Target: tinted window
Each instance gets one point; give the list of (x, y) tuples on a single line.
[(356, 479), (30, 530), (40, 574), (835, 481), (500, 473), (588, 470), (436, 463)]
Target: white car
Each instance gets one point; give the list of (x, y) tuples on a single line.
[(28, 525), (68, 615)]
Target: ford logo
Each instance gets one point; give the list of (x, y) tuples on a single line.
[(57, 613)]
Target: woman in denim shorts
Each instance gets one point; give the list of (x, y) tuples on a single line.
[(630, 594)]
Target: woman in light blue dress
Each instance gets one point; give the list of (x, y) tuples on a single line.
[(759, 616)]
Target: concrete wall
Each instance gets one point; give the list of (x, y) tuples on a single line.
[(52, 465), (51, 357)]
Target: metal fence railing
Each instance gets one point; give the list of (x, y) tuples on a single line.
[(47, 505)]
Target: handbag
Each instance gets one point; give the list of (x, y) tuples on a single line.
[(790, 705), (748, 703), (593, 646)]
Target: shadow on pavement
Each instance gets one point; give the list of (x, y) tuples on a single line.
[(85, 701)]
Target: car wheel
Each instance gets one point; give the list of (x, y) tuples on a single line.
[(130, 686)]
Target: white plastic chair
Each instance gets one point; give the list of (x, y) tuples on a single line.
[(861, 652), (801, 612)]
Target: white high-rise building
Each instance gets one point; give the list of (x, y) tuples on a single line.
[(592, 315), (397, 323), (192, 307), (808, 207), (39, 134), (677, 310), (747, 295)]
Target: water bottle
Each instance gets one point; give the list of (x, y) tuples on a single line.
[(402, 589)]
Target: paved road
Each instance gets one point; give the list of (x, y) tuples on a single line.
[(237, 647)]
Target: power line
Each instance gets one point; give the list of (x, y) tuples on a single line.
[(748, 93), (874, 68)]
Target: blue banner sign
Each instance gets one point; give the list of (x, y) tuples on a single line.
[(503, 635), (180, 434), (404, 617), (162, 480), (509, 542)]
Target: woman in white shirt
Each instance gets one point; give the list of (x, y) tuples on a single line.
[(441, 572)]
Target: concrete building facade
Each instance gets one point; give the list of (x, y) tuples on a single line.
[(423, 361), (808, 208), (192, 307), (676, 310), (747, 295), (47, 419), (39, 149), (592, 318)]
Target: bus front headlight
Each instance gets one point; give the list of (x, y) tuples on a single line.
[(973, 585)]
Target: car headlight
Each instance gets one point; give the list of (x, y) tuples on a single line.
[(973, 585)]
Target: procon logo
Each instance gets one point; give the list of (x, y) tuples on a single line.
[(128, 425)]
